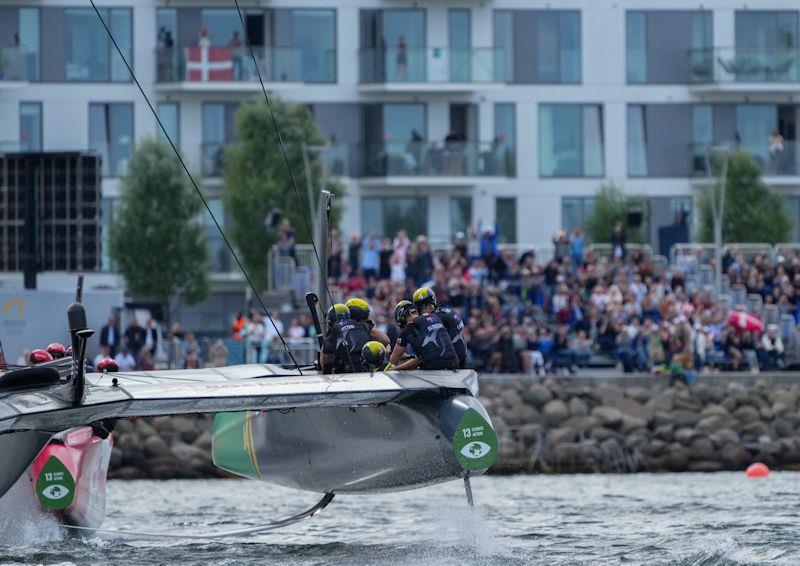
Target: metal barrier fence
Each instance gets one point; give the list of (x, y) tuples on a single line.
[(691, 257), (304, 351)]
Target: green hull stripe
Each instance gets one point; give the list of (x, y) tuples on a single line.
[(232, 444)]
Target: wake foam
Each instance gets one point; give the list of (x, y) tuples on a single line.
[(22, 523)]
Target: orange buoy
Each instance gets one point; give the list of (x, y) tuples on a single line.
[(757, 470)]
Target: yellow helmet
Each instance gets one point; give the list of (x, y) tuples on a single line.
[(373, 354), (359, 308), (338, 312), (424, 296)]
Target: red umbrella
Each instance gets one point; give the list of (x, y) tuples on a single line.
[(746, 321)]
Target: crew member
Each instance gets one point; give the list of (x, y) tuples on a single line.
[(359, 312), (427, 335), (373, 356), (40, 356), (57, 350), (345, 339), (425, 301)]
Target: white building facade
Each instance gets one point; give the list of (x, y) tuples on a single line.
[(439, 113)]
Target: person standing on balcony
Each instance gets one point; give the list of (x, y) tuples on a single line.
[(775, 151), (204, 38), (401, 66), (235, 44)]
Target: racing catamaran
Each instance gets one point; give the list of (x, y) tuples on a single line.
[(293, 426)]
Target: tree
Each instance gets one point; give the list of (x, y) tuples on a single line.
[(753, 211), (611, 205), (257, 182), (156, 238)]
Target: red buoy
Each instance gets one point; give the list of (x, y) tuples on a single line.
[(757, 470)]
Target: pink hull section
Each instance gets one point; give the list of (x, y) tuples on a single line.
[(69, 477)]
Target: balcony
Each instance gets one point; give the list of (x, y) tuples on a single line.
[(430, 163), (17, 67), (431, 69), (229, 69), (780, 167), (746, 69)]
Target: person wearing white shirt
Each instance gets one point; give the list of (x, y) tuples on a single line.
[(125, 360)]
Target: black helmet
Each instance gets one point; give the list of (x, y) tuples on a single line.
[(424, 296), (401, 312), (338, 312), (373, 354), (359, 308)]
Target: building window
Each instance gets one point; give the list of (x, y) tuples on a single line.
[(111, 134), (505, 209), (559, 47), (702, 136), (169, 114), (637, 141), (570, 140), (575, 212), (505, 137), (29, 42), (90, 56), (314, 39), (460, 42), (387, 216), (218, 130), (504, 42), (636, 32), (460, 214), (393, 46), (30, 126), (218, 251)]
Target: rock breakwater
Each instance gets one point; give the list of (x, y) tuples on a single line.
[(575, 425), (564, 425)]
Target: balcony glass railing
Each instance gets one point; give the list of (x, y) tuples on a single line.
[(421, 158), (745, 65), (18, 65), (235, 64), (432, 65), (777, 160)]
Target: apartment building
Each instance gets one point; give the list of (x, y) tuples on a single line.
[(437, 113)]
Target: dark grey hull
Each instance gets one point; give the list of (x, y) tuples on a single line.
[(401, 445)]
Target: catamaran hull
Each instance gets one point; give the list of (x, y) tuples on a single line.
[(405, 444)]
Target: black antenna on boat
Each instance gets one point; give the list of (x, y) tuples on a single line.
[(197, 189), (79, 336)]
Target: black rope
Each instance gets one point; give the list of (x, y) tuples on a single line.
[(196, 188), (283, 148)]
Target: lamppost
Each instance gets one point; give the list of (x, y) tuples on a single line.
[(717, 188)]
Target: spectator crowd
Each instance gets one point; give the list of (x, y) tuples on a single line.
[(576, 308)]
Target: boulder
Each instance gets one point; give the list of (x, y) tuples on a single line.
[(116, 458), (538, 395), (734, 457), (578, 407), (124, 425), (663, 418), (701, 448), (685, 435), (664, 400), (186, 428), (665, 432), (555, 412), (629, 407), (654, 447), (608, 416), (637, 441), (685, 417), (164, 468), (708, 393), (184, 452), (757, 429), (511, 398), (143, 428), (630, 423), (729, 403), (725, 436), (713, 423), (582, 424), (127, 473), (714, 409), (155, 447), (204, 441), (530, 434), (677, 459), (561, 434), (783, 428), (601, 433)]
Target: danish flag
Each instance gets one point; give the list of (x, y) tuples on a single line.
[(209, 64)]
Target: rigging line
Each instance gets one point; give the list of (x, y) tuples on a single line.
[(196, 188), (283, 148)]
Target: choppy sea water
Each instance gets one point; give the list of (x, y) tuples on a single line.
[(689, 519)]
